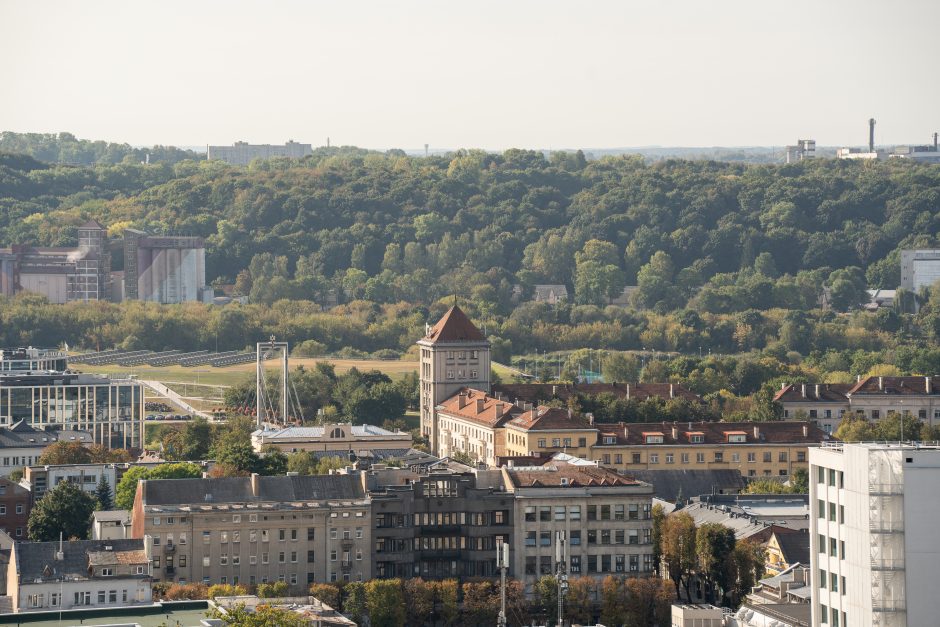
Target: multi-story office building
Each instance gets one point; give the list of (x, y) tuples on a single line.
[(110, 409), (165, 269), (604, 518), (874, 553), (439, 524), (243, 153), (872, 398), (21, 445), (295, 529), (919, 268), (79, 574), (335, 439), (32, 359), (79, 273)]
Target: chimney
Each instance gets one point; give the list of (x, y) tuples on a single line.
[(756, 432), (480, 403), (590, 416), (570, 414), (672, 391), (534, 413), (554, 391), (881, 383), (871, 135), (628, 391), (675, 432), (805, 430), (928, 385), (817, 390), (803, 390), (461, 400), (783, 385), (935, 141), (254, 485), (500, 408), (60, 554)]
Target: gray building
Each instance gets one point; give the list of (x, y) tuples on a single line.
[(165, 269), (78, 574), (251, 530), (243, 153), (22, 445)]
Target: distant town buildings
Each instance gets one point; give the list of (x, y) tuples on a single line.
[(874, 552), (81, 273), (921, 154), (551, 294), (804, 149), (919, 268), (39, 479), (243, 153), (22, 445), (165, 269), (872, 398)]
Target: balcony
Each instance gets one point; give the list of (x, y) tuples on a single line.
[(886, 526), (169, 547), (888, 605), (885, 489), (887, 564), (346, 543), (345, 566)]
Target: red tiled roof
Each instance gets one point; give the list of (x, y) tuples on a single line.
[(535, 392), (549, 419), (455, 326), (476, 406), (813, 393), (908, 386), (775, 432), (551, 475)]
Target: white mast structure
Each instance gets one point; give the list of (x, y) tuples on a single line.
[(263, 351)]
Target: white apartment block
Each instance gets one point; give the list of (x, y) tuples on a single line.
[(874, 550)]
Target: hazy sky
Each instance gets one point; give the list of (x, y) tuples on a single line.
[(476, 73)]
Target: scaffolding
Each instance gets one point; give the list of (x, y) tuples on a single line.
[(886, 526)]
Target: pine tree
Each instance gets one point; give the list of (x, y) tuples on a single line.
[(104, 495)]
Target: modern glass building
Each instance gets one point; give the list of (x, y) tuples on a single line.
[(36, 388)]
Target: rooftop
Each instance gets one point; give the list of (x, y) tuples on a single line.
[(479, 407), (711, 433), (358, 431), (536, 392), (36, 561), (455, 326), (670, 485), (227, 490), (22, 435), (562, 474), (549, 419)]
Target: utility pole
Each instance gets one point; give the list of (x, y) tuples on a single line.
[(561, 572), (502, 563)]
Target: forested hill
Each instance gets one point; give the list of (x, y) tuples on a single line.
[(719, 237), (65, 148)]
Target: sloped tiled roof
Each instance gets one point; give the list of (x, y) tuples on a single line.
[(36, 560), (794, 546), (561, 474), (671, 484), (491, 412), (907, 386), (772, 432), (455, 326), (535, 392), (548, 419), (813, 393), (92, 224)]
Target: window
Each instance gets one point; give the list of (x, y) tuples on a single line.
[(530, 513), (559, 512), (545, 513), (832, 512), (636, 458), (107, 572), (618, 512), (556, 442), (541, 443), (782, 456), (801, 456), (574, 512), (684, 458), (654, 458), (293, 534), (842, 514), (820, 508), (752, 457), (832, 477), (618, 458), (822, 543), (822, 578), (574, 538), (567, 441), (101, 596), (182, 560), (530, 538), (582, 442), (633, 511), (719, 456), (841, 549), (833, 547), (768, 457), (834, 582), (820, 474), (843, 592), (592, 512), (236, 518)]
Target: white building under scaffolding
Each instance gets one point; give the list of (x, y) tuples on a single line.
[(874, 549)]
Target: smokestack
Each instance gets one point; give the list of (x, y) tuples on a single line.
[(480, 403), (871, 135), (935, 141)]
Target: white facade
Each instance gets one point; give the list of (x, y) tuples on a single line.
[(243, 153), (919, 268), (874, 550)]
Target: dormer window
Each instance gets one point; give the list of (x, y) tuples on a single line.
[(610, 439), (736, 437), (696, 437), (653, 438), (107, 572)]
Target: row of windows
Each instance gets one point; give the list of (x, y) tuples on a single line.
[(718, 456), (594, 536), (559, 442), (544, 565), (836, 547), (618, 511), (830, 616), (19, 509), (835, 477), (282, 535), (433, 519), (460, 374), (81, 598), (292, 577), (874, 414), (822, 507), (237, 518)]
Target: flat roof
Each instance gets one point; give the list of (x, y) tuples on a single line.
[(94, 618)]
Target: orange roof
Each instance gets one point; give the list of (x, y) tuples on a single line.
[(476, 406), (652, 433), (455, 326), (735, 432)]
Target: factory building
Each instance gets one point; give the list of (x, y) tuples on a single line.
[(165, 269)]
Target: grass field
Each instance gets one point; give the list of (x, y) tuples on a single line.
[(233, 375)]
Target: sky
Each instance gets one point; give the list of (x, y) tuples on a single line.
[(472, 74)]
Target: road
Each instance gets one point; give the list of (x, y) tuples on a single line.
[(166, 392)]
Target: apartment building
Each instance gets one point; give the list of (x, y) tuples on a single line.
[(22, 445), (548, 430), (79, 574), (872, 398), (604, 518), (471, 422), (39, 479), (875, 557), (439, 524), (243, 153), (755, 449), (295, 529), (15, 505)]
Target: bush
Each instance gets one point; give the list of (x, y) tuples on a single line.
[(351, 353), (226, 590), (309, 348), (187, 592), (274, 590), (386, 353), (326, 593)]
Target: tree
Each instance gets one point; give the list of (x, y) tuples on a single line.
[(546, 596), (273, 590), (648, 601), (225, 590), (66, 508), (354, 601), (659, 520), (714, 544), (260, 616), (579, 604), (621, 368), (103, 494), (126, 489), (63, 452), (747, 567), (196, 440), (419, 600), (445, 595), (385, 603), (326, 593), (613, 601), (480, 604), (679, 550)]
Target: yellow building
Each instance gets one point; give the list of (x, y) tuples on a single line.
[(549, 430), (755, 449), (785, 549)]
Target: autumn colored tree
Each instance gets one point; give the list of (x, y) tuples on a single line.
[(678, 550), (385, 603), (327, 593)]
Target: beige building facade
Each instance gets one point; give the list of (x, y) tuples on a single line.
[(340, 438), (252, 530)]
